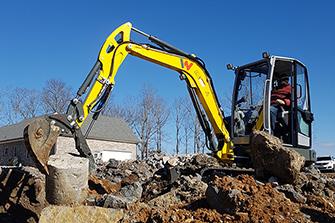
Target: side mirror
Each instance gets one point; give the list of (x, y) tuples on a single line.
[(265, 55), (230, 67), (307, 116)]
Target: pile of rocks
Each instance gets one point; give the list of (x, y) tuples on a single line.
[(174, 189), (123, 183)]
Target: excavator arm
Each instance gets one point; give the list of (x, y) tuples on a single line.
[(100, 82)]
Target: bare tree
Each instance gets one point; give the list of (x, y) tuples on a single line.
[(188, 113), (24, 103), (199, 143), (3, 118), (55, 96), (161, 115), (196, 135), (144, 124), (192, 130), (178, 118), (127, 111), (150, 118)]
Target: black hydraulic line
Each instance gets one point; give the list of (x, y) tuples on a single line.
[(167, 45), (103, 100), (202, 118), (201, 62), (87, 82), (89, 128), (162, 44), (101, 106), (251, 101), (112, 65)]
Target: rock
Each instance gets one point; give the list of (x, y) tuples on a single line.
[(173, 174), (241, 194), (329, 193), (79, 214), (113, 163), (67, 182), (126, 195), (300, 181), (270, 158), (138, 212), (166, 200), (313, 187), (124, 169), (132, 192), (203, 160), (224, 201), (273, 181), (156, 156), (128, 172), (165, 159), (331, 184), (191, 189), (291, 194), (103, 186), (113, 201), (173, 161), (312, 170), (22, 194)]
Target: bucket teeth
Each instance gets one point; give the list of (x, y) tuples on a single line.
[(40, 136)]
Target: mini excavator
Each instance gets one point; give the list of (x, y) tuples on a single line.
[(227, 137)]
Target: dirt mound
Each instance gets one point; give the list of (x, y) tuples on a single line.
[(173, 189), (257, 201)]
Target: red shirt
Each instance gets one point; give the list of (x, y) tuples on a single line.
[(283, 93)]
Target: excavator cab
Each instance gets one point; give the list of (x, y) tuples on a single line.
[(251, 104)]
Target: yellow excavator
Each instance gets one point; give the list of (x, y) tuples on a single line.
[(227, 137)]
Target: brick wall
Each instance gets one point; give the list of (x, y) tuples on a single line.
[(66, 145)]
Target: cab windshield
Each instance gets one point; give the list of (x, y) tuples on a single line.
[(249, 94)]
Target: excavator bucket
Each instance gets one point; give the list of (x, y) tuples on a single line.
[(40, 136)]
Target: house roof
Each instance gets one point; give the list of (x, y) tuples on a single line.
[(105, 128)]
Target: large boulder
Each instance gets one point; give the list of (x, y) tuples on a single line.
[(271, 158), (67, 182), (22, 194), (80, 214)]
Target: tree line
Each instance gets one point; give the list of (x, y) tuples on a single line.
[(149, 115)]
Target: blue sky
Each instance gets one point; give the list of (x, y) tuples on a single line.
[(40, 40)]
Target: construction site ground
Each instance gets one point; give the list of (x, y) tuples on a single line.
[(172, 189)]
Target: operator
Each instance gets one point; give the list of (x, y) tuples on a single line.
[(280, 98)]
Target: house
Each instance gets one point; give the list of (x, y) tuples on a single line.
[(109, 138)]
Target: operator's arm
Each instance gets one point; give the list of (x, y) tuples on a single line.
[(282, 96)]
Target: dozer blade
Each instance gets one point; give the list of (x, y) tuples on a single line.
[(40, 136)]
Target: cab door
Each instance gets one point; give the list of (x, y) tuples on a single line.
[(302, 108)]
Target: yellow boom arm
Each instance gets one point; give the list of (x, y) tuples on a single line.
[(113, 52)]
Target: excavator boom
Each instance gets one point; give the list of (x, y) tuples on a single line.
[(100, 82)]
